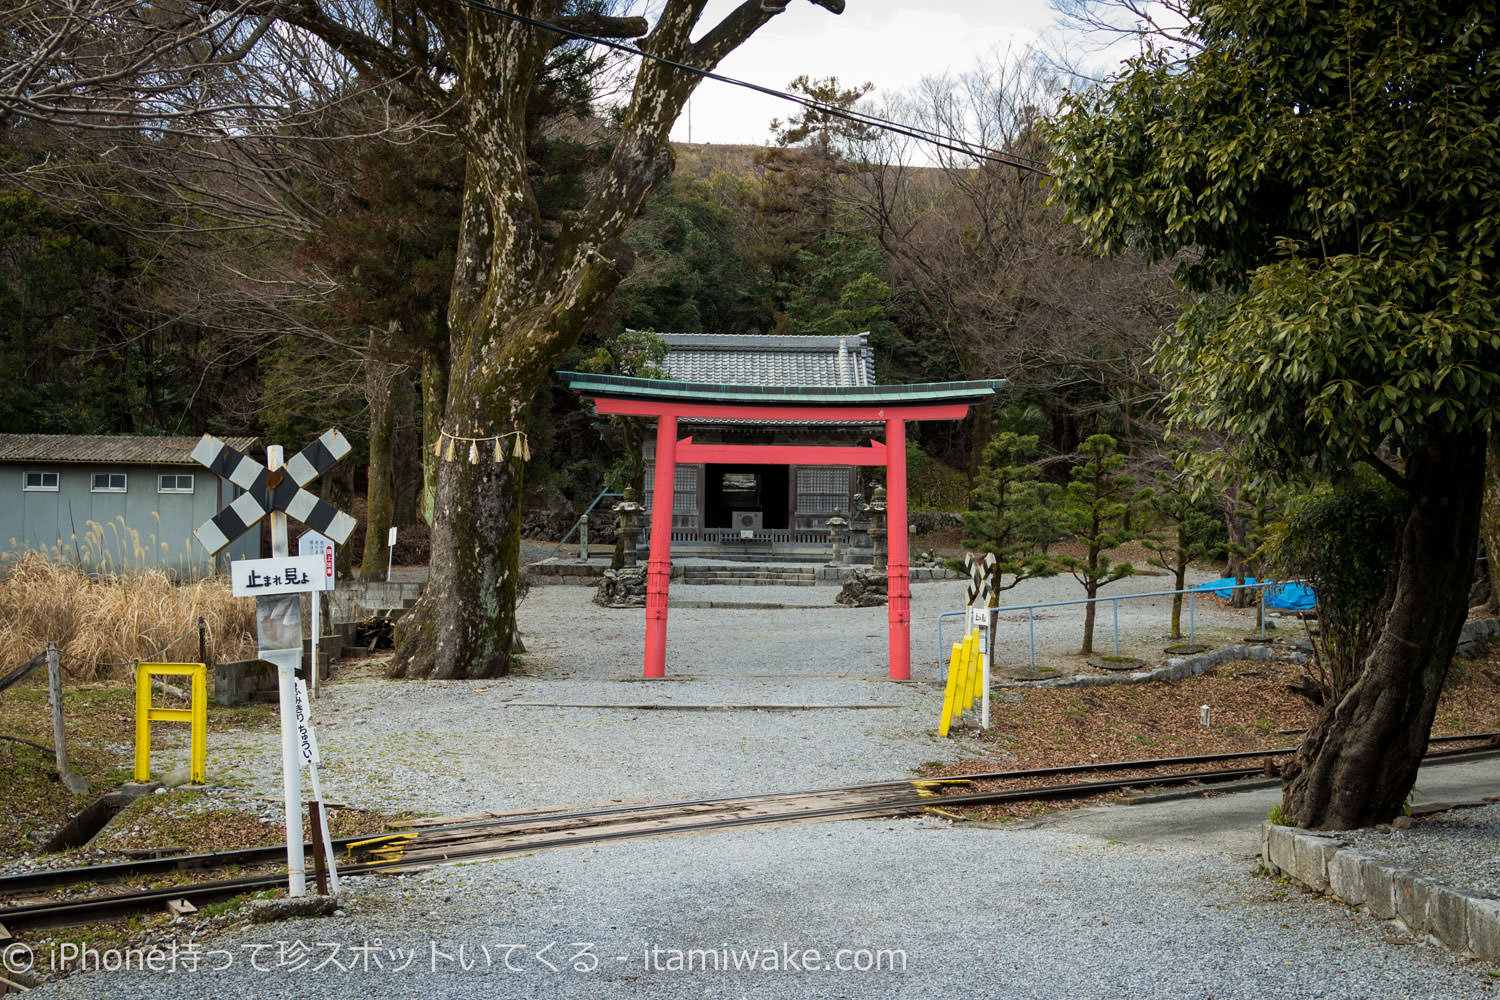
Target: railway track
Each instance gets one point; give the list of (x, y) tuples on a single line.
[(48, 898)]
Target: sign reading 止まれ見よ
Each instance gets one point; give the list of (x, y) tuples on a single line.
[(284, 575)]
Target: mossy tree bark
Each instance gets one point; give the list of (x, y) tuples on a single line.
[(1490, 521)]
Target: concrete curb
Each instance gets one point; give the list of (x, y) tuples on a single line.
[(1466, 922), (1175, 669)]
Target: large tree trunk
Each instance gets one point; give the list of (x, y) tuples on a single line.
[(1491, 518), (1359, 761), (380, 385), (434, 396), (522, 294)]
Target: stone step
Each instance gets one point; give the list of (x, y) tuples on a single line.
[(752, 578)]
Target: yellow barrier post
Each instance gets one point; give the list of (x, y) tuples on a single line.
[(961, 702), (950, 692), (196, 715), (971, 681), (965, 685)]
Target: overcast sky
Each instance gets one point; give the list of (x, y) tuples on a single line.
[(890, 43)]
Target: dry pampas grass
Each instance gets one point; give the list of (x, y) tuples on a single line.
[(102, 624)]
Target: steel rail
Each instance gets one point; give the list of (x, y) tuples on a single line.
[(68, 912), (116, 871)]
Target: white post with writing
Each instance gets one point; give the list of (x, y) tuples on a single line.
[(286, 675), (307, 753), (277, 489), (980, 617)]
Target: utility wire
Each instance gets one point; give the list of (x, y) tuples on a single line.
[(1024, 163)]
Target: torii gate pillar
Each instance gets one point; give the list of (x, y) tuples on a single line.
[(898, 579), (659, 565)]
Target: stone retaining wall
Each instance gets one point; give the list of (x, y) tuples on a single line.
[(1466, 922)]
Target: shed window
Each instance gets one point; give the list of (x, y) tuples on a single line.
[(174, 484), (41, 481), (108, 482)]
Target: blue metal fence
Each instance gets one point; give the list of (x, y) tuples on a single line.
[(1030, 610)]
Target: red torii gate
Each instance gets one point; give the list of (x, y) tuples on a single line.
[(670, 401)]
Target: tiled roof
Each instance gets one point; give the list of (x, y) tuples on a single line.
[(742, 359), (737, 395), (106, 449)]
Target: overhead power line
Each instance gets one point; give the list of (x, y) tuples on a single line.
[(1024, 163)]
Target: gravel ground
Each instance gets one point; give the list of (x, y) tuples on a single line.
[(1456, 848), (944, 911), (754, 701)]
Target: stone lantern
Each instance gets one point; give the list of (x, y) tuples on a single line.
[(628, 514), (838, 532), (876, 511)]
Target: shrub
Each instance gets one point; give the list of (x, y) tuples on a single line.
[(1341, 539)]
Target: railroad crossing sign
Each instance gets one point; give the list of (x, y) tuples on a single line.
[(276, 489), (980, 570), (267, 491)]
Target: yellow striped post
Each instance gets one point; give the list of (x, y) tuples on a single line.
[(965, 681), (196, 715), (962, 703), (971, 675), (950, 692)]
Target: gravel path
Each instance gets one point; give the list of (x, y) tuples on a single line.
[(943, 912)]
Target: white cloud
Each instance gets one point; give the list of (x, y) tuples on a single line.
[(890, 43)]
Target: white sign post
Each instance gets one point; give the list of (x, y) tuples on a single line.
[(314, 544), (981, 618), (276, 490), (307, 747), (390, 552), (281, 630)]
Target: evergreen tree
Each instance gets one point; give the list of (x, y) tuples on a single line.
[(1099, 509), (1328, 167), (1012, 515)]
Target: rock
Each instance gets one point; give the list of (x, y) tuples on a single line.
[(264, 911), (622, 588), (179, 775), (862, 588), (1475, 637)]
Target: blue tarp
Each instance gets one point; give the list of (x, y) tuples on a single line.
[(1282, 596)]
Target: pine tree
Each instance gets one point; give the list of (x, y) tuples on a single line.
[(1097, 508)]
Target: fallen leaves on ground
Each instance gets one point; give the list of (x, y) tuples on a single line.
[(1250, 708)]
